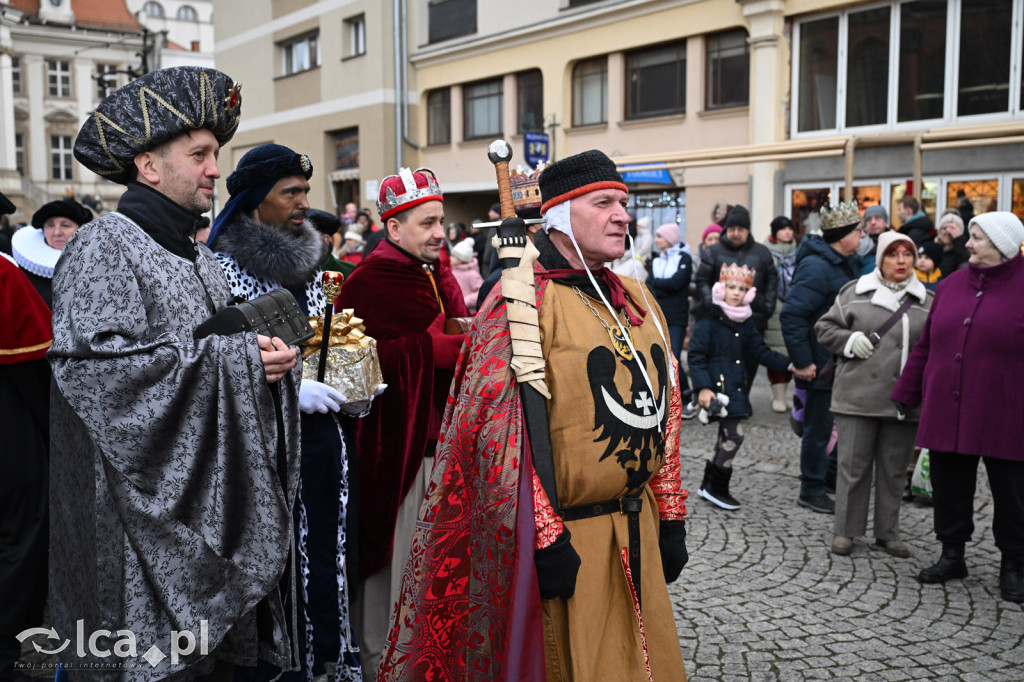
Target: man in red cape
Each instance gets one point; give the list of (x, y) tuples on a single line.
[(405, 297), (502, 584), (25, 336)]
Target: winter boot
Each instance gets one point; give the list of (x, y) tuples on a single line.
[(1011, 580), (715, 488), (950, 565), (779, 398)]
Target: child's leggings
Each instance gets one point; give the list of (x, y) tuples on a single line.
[(730, 438)]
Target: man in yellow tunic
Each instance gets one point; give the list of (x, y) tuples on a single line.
[(509, 578)]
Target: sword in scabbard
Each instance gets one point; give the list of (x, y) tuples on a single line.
[(517, 254)]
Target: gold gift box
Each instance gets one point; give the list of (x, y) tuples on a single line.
[(352, 364)]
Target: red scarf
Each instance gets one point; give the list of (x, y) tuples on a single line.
[(619, 296)]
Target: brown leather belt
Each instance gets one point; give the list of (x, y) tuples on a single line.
[(630, 505)]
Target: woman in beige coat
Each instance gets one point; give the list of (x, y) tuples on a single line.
[(872, 436)]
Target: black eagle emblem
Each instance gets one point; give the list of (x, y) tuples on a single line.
[(633, 428)]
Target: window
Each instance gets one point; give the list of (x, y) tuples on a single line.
[(301, 54), (61, 159), (817, 88), (482, 108), (450, 19), (19, 152), (580, 3), (530, 103), (187, 13), (922, 70), (439, 116), (728, 60), (355, 35), (907, 61), (106, 79), (58, 78), (656, 81), (985, 37), (346, 149), (153, 9), (590, 92), (16, 78), (867, 69)]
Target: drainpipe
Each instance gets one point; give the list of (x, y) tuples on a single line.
[(398, 85), (405, 77)]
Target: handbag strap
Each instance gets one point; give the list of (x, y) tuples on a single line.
[(876, 336)]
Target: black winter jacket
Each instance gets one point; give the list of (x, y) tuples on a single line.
[(820, 273), (921, 229), (753, 255), (956, 257), (717, 349), (673, 292)]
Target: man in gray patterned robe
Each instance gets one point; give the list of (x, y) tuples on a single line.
[(174, 461)]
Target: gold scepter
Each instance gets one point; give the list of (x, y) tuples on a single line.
[(331, 284)]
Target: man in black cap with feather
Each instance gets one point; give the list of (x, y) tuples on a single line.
[(175, 460)]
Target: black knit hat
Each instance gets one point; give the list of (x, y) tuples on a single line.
[(779, 223), (738, 217), (63, 208), (265, 163), (932, 250), (577, 175), (324, 222), (153, 109)]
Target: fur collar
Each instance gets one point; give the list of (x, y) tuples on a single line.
[(281, 255), (883, 296)]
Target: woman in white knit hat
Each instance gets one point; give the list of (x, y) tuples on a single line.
[(965, 372)]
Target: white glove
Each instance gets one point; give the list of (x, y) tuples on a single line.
[(723, 400), (317, 397), (362, 407), (860, 345)]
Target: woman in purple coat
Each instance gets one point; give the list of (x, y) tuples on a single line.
[(965, 372)]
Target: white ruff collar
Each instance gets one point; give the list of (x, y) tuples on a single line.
[(33, 253)]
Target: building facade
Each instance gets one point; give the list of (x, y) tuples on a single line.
[(58, 59), (318, 77), (184, 29)]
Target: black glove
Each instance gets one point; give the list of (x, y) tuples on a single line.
[(557, 566), (902, 410), (672, 543)]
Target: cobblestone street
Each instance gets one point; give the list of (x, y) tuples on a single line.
[(763, 598)]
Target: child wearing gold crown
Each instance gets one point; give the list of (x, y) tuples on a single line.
[(724, 334)]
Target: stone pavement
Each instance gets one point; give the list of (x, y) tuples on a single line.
[(763, 597)]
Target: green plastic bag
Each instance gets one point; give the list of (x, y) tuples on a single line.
[(921, 481)]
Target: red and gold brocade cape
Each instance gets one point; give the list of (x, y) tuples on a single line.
[(469, 606)]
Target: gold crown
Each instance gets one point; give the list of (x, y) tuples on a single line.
[(737, 274), (526, 187), (843, 214)]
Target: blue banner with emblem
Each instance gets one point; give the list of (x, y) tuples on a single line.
[(537, 148), (653, 176)]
